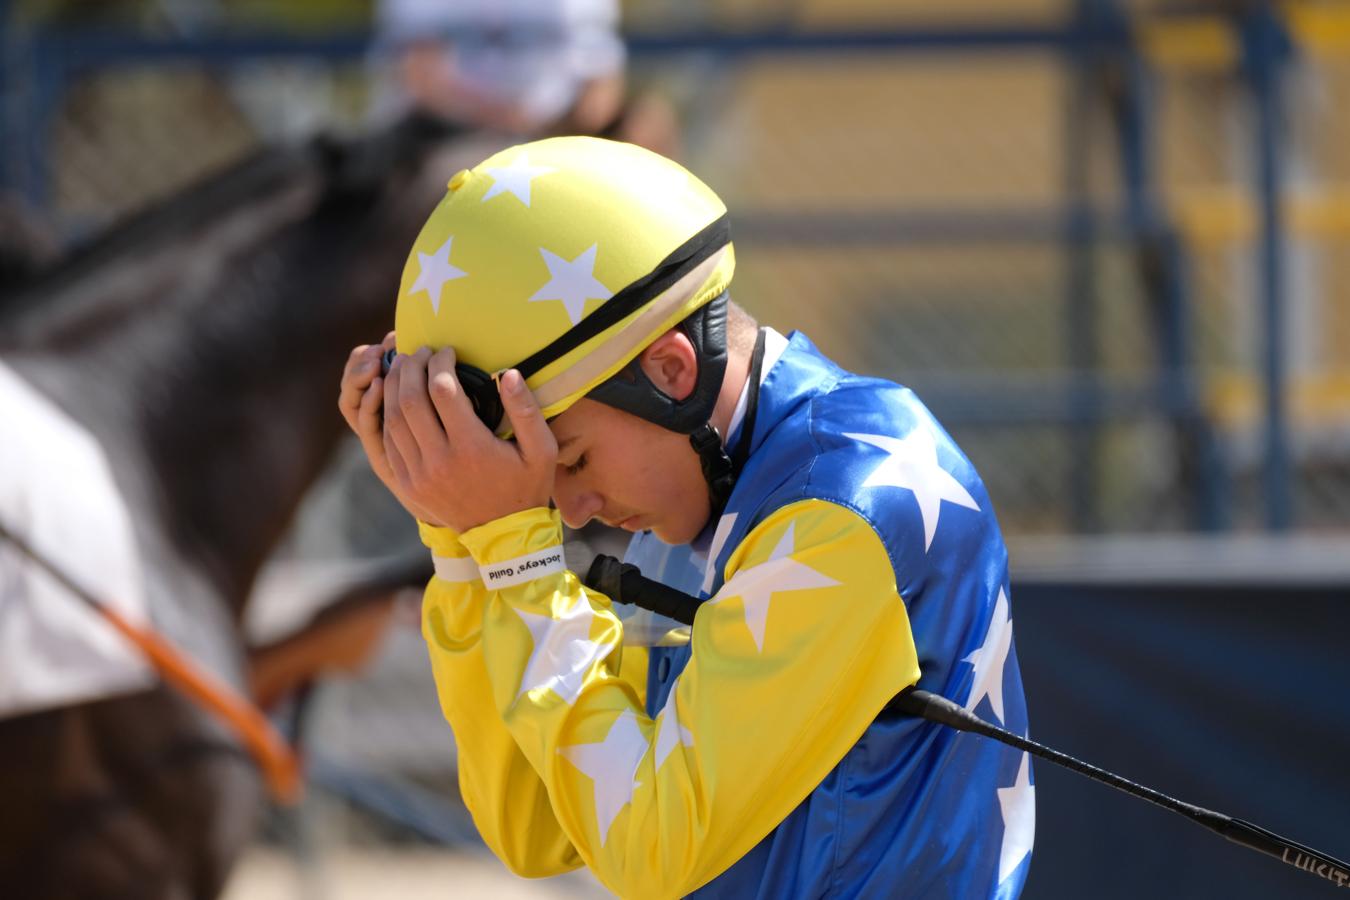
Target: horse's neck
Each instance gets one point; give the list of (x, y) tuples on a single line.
[(225, 390), (256, 417)]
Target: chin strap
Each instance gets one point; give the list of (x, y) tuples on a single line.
[(720, 470)]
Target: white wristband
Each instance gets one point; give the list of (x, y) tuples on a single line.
[(456, 569), (523, 569)]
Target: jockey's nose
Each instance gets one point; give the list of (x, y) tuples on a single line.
[(576, 503)]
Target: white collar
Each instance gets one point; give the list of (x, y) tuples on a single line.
[(774, 345)]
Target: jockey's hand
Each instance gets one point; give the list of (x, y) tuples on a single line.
[(447, 461), (359, 400)]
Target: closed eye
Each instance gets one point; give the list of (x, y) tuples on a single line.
[(577, 466)]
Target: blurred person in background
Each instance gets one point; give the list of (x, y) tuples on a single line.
[(844, 545), (523, 67)]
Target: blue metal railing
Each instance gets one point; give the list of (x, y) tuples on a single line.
[(1098, 33), (1266, 48)]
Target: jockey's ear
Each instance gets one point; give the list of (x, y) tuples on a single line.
[(671, 364)]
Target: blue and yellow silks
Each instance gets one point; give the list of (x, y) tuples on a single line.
[(858, 554)]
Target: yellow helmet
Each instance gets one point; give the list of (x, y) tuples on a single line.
[(564, 258)]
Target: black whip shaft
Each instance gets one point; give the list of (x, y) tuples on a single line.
[(623, 583), (939, 709)]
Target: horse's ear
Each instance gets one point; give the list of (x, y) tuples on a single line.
[(329, 149), (364, 163), (347, 163), (424, 128), (28, 245), (350, 164)]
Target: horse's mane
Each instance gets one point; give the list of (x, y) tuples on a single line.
[(339, 167)]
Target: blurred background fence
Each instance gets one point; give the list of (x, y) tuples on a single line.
[(1106, 241)]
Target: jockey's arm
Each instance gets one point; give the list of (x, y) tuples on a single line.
[(791, 661), (505, 795)]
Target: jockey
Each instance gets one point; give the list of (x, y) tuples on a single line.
[(568, 352)]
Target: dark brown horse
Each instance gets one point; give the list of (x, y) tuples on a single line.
[(200, 345), (26, 246)]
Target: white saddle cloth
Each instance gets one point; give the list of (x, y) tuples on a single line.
[(57, 493)]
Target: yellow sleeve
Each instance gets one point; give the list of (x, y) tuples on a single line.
[(791, 661), (508, 801)]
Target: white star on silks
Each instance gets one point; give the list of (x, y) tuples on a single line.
[(612, 764), (434, 271), (756, 585), (572, 282), (719, 540), (563, 651), (1018, 807), (913, 465), (514, 179), (671, 731), (991, 659)]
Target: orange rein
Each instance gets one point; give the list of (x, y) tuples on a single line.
[(280, 768), (274, 756)]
